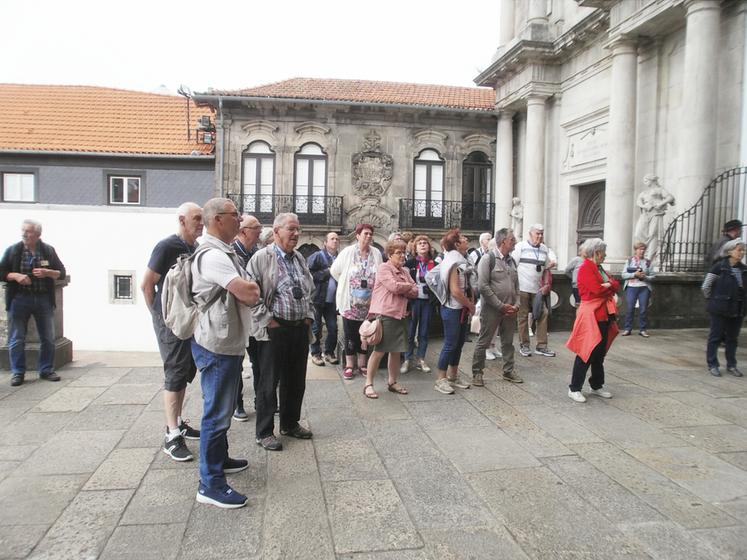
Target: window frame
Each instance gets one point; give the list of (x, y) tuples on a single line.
[(257, 210), (114, 275), (312, 213), (428, 164), (19, 171), (125, 176)]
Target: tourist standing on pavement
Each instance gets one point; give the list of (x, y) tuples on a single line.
[(218, 346), (637, 274), (498, 283), (533, 258), (421, 308), (325, 309), (595, 327), (282, 321), (30, 268), (724, 288), (178, 365), (245, 246), (393, 288), (456, 273), (354, 270)]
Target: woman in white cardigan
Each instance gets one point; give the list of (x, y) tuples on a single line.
[(355, 272)]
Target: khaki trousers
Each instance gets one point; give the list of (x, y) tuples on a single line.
[(490, 321)]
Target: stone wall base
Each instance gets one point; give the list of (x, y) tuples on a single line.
[(63, 354)]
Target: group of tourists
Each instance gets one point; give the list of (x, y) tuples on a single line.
[(254, 292)]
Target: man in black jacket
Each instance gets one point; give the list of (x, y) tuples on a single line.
[(323, 298), (30, 269)]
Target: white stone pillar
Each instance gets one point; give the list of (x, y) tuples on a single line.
[(699, 98), (620, 187), (504, 170), (534, 163), (506, 15), (537, 12)]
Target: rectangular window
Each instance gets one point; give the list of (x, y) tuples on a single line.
[(122, 287), (124, 190), (18, 187)]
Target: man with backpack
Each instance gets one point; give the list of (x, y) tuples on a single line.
[(222, 295), (178, 365), (498, 283)]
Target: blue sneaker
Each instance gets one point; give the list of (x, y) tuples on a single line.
[(225, 497)]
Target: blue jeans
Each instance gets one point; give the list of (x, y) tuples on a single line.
[(220, 384), (455, 333), (327, 312), (22, 307), (421, 318), (641, 294)]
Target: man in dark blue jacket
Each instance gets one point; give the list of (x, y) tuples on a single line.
[(30, 269), (323, 299)]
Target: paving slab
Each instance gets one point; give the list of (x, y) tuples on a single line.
[(105, 417), (400, 438), (37, 500), (35, 389), (669, 540), (34, 428), (69, 399), (725, 438), (452, 413), (326, 394), (558, 425), (350, 459), (335, 423), (123, 468), (148, 430), (736, 459), (368, 515), (18, 541), (665, 411), (727, 542), (129, 394), (732, 410), (69, 453), (164, 496), (84, 527), (16, 452), (144, 542), (11, 410), (100, 377)]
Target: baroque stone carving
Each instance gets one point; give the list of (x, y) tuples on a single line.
[(372, 212), (517, 217), (654, 202), (372, 169)]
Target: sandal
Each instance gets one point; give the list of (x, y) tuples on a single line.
[(373, 394), (397, 388), (363, 370)]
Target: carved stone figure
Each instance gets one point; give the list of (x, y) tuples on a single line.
[(372, 169), (517, 217), (654, 202)]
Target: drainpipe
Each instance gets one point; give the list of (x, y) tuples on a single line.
[(222, 144)]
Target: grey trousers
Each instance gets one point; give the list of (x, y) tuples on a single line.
[(490, 322)]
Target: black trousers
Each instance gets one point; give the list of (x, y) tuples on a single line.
[(253, 351), (726, 329), (596, 361), (282, 359)]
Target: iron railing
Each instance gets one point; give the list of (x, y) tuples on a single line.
[(689, 237), (311, 210), (445, 214)]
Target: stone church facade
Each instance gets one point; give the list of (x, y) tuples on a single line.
[(593, 95)]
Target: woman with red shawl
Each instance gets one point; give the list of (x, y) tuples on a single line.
[(596, 322)]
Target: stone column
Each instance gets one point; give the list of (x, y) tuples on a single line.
[(537, 12), (699, 97), (534, 163), (504, 169), (620, 187), (506, 31)]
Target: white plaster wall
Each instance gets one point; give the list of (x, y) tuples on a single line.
[(91, 241)]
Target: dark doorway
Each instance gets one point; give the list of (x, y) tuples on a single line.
[(590, 212)]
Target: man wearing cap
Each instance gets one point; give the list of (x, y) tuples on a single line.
[(533, 257), (732, 230)]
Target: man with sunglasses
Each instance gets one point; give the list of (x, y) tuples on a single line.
[(281, 326), (534, 258)]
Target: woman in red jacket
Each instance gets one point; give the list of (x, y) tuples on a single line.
[(596, 322)]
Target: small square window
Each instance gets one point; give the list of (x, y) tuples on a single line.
[(18, 187), (124, 190), (122, 286)]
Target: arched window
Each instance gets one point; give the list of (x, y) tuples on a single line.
[(476, 185), (258, 183), (310, 186), (428, 185)]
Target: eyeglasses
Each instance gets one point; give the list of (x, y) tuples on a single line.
[(234, 214), (292, 229)]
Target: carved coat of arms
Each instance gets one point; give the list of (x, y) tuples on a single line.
[(372, 169)]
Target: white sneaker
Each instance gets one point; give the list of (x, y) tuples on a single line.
[(601, 393), (489, 355), (405, 367), (443, 386), (459, 382), (422, 366), (577, 396)]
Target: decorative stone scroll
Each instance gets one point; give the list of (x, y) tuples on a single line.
[(372, 169)]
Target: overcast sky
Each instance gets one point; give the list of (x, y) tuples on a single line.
[(139, 44)]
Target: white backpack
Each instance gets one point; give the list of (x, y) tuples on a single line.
[(436, 284), (180, 310)]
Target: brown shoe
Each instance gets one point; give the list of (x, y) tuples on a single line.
[(477, 380), (512, 377), (317, 360)]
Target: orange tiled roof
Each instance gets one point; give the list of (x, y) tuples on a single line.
[(366, 91), (96, 119)]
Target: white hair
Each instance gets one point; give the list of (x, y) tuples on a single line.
[(265, 236), (484, 236), (537, 227), (729, 246), (593, 246), (212, 208), (36, 225), (282, 219)]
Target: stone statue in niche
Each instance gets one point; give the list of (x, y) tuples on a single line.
[(654, 201), (372, 169), (517, 217)]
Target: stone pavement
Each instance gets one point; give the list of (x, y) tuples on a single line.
[(506, 471)]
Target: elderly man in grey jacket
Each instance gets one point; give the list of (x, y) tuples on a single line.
[(498, 283)]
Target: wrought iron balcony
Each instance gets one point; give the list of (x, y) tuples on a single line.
[(311, 210), (446, 214)]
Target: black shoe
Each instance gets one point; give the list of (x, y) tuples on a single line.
[(177, 449), (16, 380), (734, 371), (271, 443), (299, 432), (187, 431), (49, 376), (231, 466), (240, 415)]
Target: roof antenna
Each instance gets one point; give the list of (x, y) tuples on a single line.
[(187, 93)]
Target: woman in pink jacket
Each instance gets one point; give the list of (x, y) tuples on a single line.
[(393, 287)]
